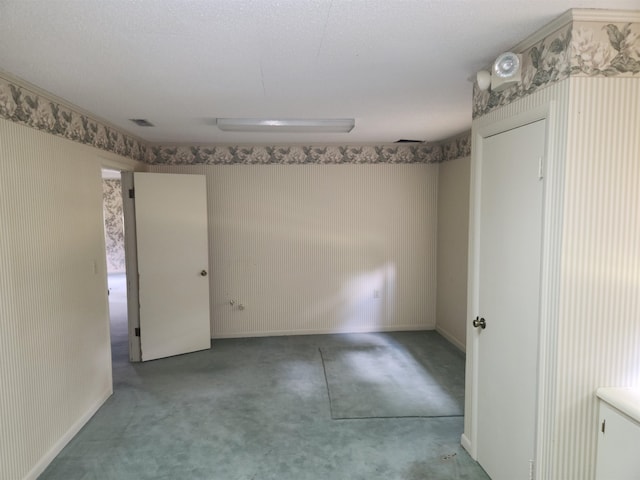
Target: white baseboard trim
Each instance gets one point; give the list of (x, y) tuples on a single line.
[(466, 444), (279, 333), (47, 458), (453, 340)]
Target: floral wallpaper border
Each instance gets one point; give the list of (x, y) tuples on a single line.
[(579, 49), (294, 155), (21, 105), (456, 147)]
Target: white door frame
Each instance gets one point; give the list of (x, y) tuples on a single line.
[(483, 128), (131, 261), (133, 320)]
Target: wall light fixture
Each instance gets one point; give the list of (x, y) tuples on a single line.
[(505, 71)]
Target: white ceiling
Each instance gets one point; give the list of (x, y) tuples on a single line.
[(401, 68)]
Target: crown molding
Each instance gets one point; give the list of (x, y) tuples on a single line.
[(562, 21), (577, 15), (602, 15)]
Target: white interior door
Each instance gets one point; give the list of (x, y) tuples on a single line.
[(173, 259), (511, 192)]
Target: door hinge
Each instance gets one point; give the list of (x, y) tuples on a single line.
[(530, 469), (604, 423), (132, 193), (137, 331)]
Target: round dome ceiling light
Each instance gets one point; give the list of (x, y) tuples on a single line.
[(506, 65), (506, 71)]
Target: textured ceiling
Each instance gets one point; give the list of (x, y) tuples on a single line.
[(401, 68)]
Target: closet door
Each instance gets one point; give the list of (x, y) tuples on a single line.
[(508, 289)]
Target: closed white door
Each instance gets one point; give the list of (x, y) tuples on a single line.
[(173, 259), (511, 190)]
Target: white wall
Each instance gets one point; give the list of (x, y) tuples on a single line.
[(306, 248), (55, 359), (453, 241)]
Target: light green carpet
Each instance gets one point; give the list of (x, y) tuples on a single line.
[(258, 409)]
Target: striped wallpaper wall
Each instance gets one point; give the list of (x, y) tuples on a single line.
[(320, 248), (599, 323), (54, 331), (453, 238)]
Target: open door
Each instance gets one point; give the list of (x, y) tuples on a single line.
[(171, 246)]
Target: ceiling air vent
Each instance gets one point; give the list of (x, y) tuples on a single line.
[(141, 122), (402, 140)]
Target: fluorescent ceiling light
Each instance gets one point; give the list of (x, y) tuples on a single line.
[(321, 125)]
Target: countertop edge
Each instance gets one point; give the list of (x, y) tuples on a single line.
[(627, 400)]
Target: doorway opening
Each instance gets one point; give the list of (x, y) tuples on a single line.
[(116, 267)]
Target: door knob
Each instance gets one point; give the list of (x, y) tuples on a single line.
[(203, 273), (480, 322)]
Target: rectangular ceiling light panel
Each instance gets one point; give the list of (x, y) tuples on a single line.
[(323, 125)]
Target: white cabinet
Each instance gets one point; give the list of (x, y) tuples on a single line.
[(619, 434)]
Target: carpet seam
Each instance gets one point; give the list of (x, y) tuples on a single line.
[(392, 417), (326, 383)]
